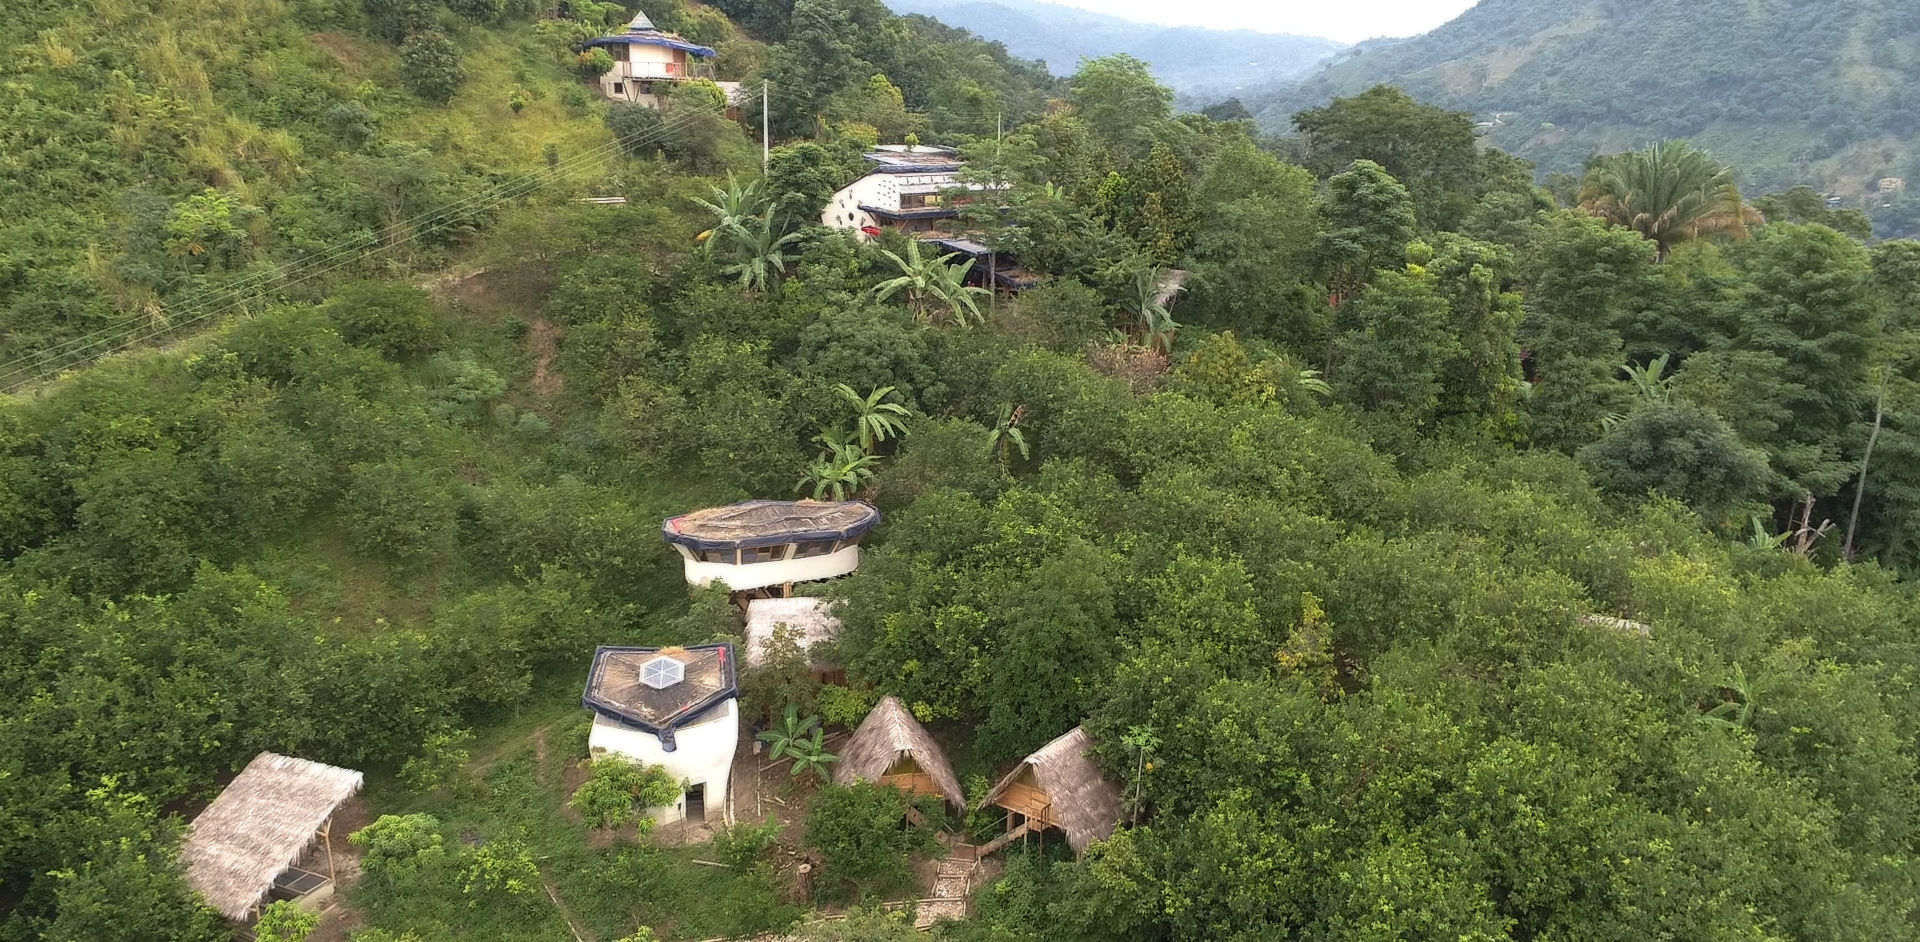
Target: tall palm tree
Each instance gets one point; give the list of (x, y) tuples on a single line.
[(760, 253), (874, 421), (1155, 325), (1670, 193), (932, 285)]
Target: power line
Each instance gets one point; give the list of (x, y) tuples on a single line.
[(71, 353)]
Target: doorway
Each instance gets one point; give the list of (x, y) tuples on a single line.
[(697, 804)]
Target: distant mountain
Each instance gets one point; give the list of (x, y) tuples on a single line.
[(1193, 61), (1788, 90)]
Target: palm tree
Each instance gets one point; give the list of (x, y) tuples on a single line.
[(838, 473), (930, 283), (732, 208), (1155, 326), (1670, 193), (760, 253), (1006, 434), (874, 421)]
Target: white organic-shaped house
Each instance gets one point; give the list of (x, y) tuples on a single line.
[(766, 543), (672, 707)]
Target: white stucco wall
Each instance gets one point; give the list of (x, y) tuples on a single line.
[(739, 578), (644, 64), (877, 189), (702, 755)]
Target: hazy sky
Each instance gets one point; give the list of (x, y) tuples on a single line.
[(1345, 20)]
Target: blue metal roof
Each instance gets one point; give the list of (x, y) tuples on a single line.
[(654, 39)]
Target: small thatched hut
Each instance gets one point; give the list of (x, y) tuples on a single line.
[(892, 748), (1058, 787), (260, 827)]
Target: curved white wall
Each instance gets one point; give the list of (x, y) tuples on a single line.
[(702, 755), (746, 576)]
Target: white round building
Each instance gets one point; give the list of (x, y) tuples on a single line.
[(770, 544)]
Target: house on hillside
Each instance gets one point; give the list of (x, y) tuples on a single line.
[(647, 59), (1058, 788), (906, 189), (677, 708), (892, 748), (250, 846), (813, 626), (765, 546)]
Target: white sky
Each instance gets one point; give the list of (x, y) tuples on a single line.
[(1344, 20)]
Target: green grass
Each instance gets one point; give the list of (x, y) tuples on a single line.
[(607, 889)]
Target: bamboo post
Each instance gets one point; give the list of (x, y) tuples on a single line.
[(326, 836)]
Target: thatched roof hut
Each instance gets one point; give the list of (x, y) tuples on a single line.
[(892, 748), (1060, 786), (260, 826), (811, 619)]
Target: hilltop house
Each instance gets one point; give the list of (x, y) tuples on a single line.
[(767, 545), (646, 58), (672, 707), (905, 189)]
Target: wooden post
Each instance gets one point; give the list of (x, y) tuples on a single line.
[(326, 836)]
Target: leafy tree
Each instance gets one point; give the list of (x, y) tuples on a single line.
[(399, 848), (1394, 359), (802, 178), (636, 126), (1369, 223), (1668, 192), (1684, 453), (1122, 103), (864, 843), (396, 320), (1803, 205), (1429, 150), (1153, 205), (401, 510), (619, 792), (430, 66), (285, 921), (1592, 278)]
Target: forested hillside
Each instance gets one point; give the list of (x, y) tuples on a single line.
[(1193, 60), (1449, 560), (1816, 93)]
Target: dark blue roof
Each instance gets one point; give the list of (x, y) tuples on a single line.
[(769, 523), (654, 39), (615, 688)]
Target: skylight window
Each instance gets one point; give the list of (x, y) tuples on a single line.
[(662, 672)]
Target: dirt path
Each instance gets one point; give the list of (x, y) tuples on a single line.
[(544, 338)]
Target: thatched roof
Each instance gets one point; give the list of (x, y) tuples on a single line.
[(770, 523), (260, 826), (887, 734), (1085, 804), (811, 618)]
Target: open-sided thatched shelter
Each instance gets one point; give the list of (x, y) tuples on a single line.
[(260, 827), (892, 748), (1058, 786)]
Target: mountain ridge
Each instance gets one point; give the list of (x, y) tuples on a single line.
[(1789, 92), (1192, 60)]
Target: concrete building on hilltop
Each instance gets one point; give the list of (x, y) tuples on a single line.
[(646, 59)]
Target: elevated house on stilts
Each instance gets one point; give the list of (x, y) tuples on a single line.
[(1058, 788)]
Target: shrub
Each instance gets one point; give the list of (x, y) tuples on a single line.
[(430, 66), (285, 921), (742, 845), (399, 509), (499, 867), (395, 319), (400, 847), (863, 841), (594, 62), (620, 792), (442, 760), (636, 126)]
